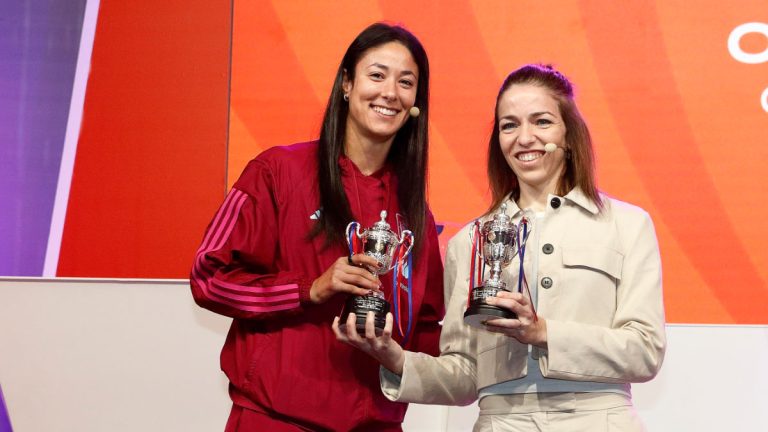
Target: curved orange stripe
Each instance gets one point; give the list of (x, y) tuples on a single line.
[(270, 90), (642, 93), (319, 32), (730, 125), (463, 82)]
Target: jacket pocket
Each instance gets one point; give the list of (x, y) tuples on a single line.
[(600, 258), (258, 344)]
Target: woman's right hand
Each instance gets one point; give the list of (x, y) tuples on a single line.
[(345, 275)]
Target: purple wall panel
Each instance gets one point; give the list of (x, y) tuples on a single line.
[(5, 421), (39, 42)]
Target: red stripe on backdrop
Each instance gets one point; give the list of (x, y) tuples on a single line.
[(150, 165), (641, 90)]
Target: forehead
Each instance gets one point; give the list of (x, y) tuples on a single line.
[(393, 55), (521, 99)]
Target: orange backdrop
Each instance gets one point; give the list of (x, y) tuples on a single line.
[(677, 119)]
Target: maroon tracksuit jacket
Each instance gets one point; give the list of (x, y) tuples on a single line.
[(256, 265)]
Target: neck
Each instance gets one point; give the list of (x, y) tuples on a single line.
[(536, 202), (535, 198), (367, 154)]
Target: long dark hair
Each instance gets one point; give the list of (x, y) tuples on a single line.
[(408, 154), (580, 159)]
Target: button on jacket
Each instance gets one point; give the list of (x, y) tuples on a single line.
[(604, 308)]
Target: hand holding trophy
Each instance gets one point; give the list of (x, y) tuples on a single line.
[(496, 243), (382, 244)]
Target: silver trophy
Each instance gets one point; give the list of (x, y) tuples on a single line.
[(380, 243), (498, 238)]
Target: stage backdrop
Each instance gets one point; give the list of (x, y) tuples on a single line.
[(679, 116), (675, 93)]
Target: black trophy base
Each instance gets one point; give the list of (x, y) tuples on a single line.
[(360, 306), (478, 313)]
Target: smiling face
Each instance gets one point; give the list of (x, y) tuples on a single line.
[(529, 118), (381, 93)]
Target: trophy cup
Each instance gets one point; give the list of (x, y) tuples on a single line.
[(382, 244), (497, 242)]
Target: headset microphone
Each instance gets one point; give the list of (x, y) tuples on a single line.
[(550, 147)]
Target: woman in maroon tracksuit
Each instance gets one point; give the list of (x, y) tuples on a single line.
[(274, 256)]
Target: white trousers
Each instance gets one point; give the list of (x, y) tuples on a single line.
[(558, 412)]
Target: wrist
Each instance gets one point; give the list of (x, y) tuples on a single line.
[(396, 366), (393, 362), (312, 293)]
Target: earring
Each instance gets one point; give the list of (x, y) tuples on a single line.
[(346, 97)]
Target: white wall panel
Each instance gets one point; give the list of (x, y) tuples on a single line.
[(84, 355)]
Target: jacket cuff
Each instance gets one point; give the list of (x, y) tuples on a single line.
[(304, 287), (390, 383)]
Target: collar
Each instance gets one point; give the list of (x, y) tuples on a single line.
[(576, 196), (348, 168)]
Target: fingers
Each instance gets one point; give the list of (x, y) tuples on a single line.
[(352, 286), (365, 260), (356, 275), (369, 340), (365, 280), (343, 277), (370, 328), (532, 333), (337, 331), (502, 325), (513, 296), (378, 340), (515, 302), (351, 331), (347, 332), (383, 348), (386, 334)]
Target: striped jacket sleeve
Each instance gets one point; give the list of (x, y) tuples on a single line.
[(233, 273)]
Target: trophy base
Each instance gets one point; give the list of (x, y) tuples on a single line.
[(360, 306), (477, 314)]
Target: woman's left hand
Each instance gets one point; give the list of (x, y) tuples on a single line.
[(526, 328), (383, 348)]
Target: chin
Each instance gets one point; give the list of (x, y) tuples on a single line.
[(384, 133), (534, 181)]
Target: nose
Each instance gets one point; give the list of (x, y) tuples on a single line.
[(388, 89), (526, 134)]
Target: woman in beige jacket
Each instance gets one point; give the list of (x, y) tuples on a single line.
[(593, 319)]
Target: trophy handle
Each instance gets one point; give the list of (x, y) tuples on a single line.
[(349, 231), (406, 237), (475, 232)]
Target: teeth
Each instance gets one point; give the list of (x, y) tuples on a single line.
[(385, 111), (527, 157)]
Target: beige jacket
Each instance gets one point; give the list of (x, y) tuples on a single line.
[(604, 308)]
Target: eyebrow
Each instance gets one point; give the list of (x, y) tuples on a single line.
[(535, 114), (385, 67)]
